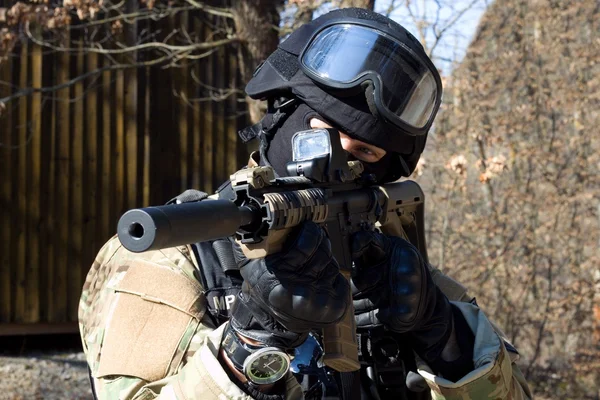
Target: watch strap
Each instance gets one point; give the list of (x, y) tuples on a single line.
[(236, 349), (253, 391)]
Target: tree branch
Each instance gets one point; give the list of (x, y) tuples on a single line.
[(453, 20), (47, 89), (123, 50)]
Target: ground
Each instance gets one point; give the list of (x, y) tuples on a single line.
[(53, 367), (43, 367)]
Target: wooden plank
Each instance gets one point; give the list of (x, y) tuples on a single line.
[(91, 237), (34, 157), (220, 122), (196, 175), (131, 138), (181, 84), (208, 131), (21, 223), (184, 144), (6, 198), (51, 226), (106, 177), (164, 145), (46, 150), (232, 111), (63, 203), (76, 243), (118, 147), (146, 161), (131, 109)]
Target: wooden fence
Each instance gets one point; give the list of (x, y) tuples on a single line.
[(72, 161)]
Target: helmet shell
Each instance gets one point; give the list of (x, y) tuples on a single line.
[(281, 75)]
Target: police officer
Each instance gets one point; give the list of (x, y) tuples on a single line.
[(202, 321)]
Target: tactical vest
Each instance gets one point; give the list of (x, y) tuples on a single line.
[(219, 276)]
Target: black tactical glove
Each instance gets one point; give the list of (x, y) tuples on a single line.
[(287, 294), (392, 287)]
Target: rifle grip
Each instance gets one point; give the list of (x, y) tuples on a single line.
[(339, 341)]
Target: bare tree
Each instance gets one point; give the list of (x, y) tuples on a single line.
[(514, 191), (256, 23), (122, 34)]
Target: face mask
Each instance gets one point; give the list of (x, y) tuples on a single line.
[(279, 152)]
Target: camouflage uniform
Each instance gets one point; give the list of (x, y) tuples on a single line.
[(146, 335)]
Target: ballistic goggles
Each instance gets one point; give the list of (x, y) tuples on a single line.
[(406, 87)]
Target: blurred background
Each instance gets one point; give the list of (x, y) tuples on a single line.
[(107, 105)]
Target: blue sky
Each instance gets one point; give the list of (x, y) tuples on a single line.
[(454, 42)]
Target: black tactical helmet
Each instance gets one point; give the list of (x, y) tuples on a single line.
[(363, 73)]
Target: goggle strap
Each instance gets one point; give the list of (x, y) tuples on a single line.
[(369, 91)]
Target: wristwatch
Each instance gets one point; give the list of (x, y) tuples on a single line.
[(262, 365)]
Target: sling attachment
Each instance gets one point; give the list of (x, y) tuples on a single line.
[(348, 384), (383, 356), (223, 250)]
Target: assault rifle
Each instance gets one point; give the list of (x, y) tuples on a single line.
[(323, 187)]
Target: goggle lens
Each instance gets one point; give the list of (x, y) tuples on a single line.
[(345, 55)]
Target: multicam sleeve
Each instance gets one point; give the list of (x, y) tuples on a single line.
[(144, 330), (200, 377), (495, 374)]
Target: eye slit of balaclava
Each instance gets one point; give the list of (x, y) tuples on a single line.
[(279, 152), (381, 168)]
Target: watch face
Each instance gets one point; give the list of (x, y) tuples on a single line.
[(266, 366)]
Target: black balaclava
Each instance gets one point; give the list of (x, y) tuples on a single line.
[(279, 150)]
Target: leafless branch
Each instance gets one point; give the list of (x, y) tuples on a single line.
[(129, 49), (457, 16), (28, 91)]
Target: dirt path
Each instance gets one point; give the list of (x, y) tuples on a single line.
[(47, 376), (47, 372)]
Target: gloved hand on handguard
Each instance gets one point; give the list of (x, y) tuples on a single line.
[(286, 294)]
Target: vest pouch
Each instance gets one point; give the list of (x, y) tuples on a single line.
[(156, 311)]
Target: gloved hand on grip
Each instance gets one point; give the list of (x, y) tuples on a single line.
[(392, 287), (286, 294)]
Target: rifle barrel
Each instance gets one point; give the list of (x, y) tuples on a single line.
[(152, 228)]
